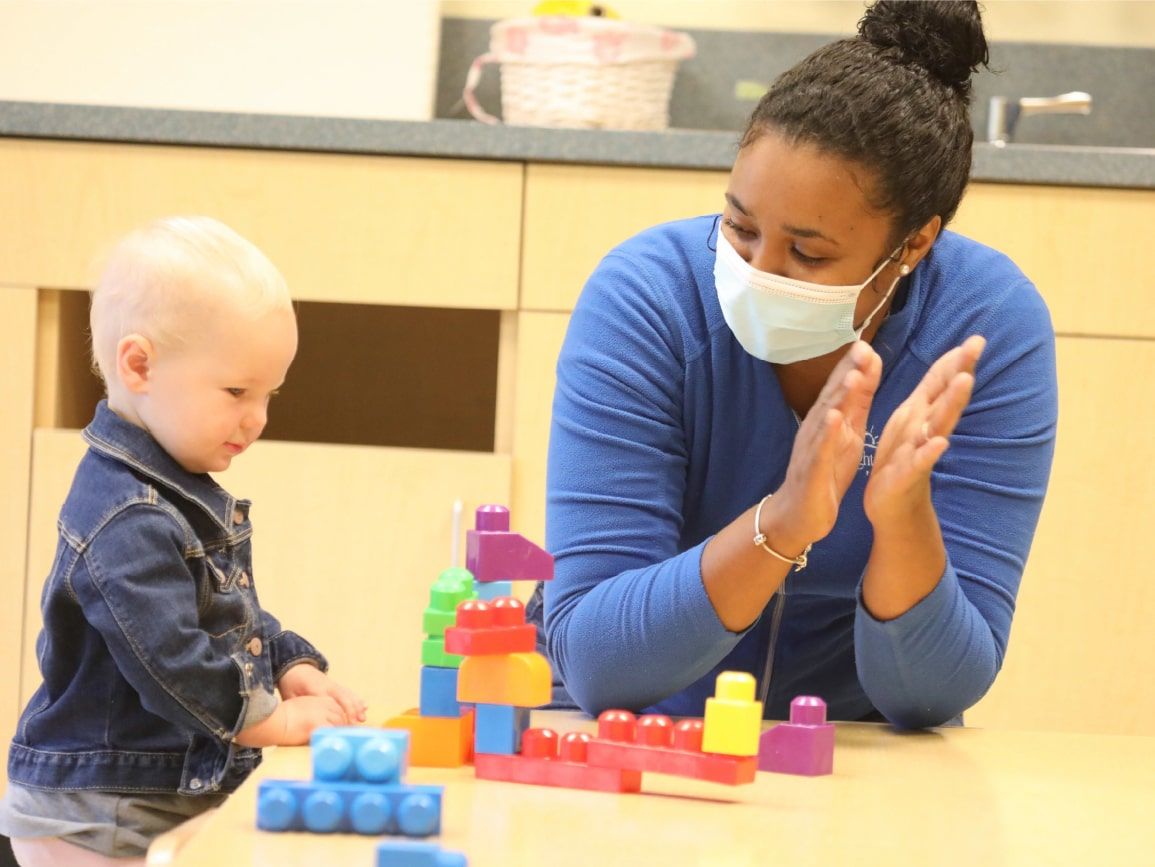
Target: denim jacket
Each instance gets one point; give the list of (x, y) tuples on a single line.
[(155, 652)]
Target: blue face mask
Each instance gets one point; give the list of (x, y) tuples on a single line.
[(782, 320)]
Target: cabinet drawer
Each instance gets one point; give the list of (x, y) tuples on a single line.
[(380, 230)]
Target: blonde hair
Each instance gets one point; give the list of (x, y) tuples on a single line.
[(169, 282)]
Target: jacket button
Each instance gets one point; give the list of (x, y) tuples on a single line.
[(195, 784), (238, 516), (255, 647)]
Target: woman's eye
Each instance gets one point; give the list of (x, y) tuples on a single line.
[(235, 392), (738, 230), (804, 259)]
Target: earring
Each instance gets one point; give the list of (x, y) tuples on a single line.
[(904, 270)]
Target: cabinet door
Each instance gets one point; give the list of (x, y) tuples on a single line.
[(1080, 246), (1081, 656), (574, 215), (347, 541), (17, 352), (379, 230)]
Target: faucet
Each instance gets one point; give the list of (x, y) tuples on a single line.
[(1004, 113)]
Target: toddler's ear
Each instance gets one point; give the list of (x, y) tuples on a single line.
[(134, 357)]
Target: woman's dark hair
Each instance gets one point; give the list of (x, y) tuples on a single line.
[(895, 99)]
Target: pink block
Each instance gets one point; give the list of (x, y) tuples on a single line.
[(505, 556), (803, 746)]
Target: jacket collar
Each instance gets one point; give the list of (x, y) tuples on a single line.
[(111, 436)]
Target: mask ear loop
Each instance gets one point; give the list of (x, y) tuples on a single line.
[(902, 272)]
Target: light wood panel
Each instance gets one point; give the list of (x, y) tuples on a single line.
[(574, 215), (1080, 246), (17, 354), (347, 542), (1081, 656), (540, 336), (951, 798), (382, 230)]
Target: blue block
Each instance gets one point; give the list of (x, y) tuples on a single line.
[(490, 590), (439, 692), (359, 754), (360, 808), (497, 728), (404, 853)]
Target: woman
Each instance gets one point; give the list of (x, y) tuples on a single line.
[(749, 465)]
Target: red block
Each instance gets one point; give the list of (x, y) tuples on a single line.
[(653, 743), (490, 629), (542, 763)]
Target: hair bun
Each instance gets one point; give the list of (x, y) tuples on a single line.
[(945, 37)]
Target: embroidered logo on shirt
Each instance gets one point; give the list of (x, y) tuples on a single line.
[(869, 446)]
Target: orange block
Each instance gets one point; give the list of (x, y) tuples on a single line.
[(519, 679), (434, 741)]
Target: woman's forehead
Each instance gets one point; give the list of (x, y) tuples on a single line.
[(798, 185)]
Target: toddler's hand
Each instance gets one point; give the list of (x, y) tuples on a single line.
[(305, 679), (305, 713)]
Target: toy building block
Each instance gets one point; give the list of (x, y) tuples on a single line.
[(543, 762), (493, 553), (433, 653), (489, 629), (359, 754), (452, 587), (520, 679), (498, 728), (361, 808), (490, 590), (733, 718), (803, 746), (407, 853), (439, 691), (437, 742), (653, 743)]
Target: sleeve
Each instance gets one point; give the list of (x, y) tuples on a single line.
[(940, 657), (287, 649), (146, 609), (627, 618)]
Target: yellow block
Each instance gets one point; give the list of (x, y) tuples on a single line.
[(733, 719), (519, 679)]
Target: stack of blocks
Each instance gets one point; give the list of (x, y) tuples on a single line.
[(446, 729)]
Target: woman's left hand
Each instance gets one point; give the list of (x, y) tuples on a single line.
[(916, 436), (306, 679)]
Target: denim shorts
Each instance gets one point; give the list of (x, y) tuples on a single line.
[(119, 826)]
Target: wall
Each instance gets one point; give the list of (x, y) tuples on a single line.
[(342, 58)]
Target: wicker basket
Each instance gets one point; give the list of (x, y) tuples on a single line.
[(581, 72)]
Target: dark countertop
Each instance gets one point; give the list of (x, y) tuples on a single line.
[(675, 149)]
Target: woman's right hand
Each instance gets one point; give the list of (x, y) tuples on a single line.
[(826, 454)]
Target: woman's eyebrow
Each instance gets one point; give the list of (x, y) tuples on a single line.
[(808, 233)]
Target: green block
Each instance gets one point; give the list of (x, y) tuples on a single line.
[(433, 653), (452, 587)]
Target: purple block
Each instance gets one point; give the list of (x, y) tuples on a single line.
[(803, 746), (493, 553)]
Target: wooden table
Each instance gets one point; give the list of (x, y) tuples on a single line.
[(942, 797)]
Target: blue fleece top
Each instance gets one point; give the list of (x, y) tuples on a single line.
[(665, 430)]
